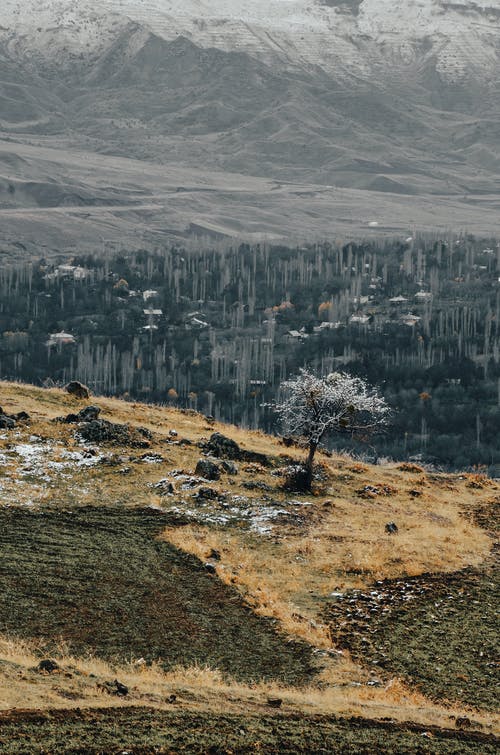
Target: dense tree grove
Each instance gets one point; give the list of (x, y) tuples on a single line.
[(219, 328)]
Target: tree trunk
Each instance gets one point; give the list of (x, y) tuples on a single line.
[(309, 463)]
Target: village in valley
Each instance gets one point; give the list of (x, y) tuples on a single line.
[(217, 330)]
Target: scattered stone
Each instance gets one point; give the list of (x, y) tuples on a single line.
[(88, 414), (274, 702), (7, 423), (74, 388), (171, 699), (391, 528), (215, 555), (210, 568), (229, 467), (415, 493), (223, 447), (151, 458), (462, 722), (208, 469), (48, 666), (173, 433), (372, 491), (102, 431), (208, 494), (259, 485), (164, 487), (114, 688)]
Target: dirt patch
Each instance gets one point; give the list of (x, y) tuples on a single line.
[(98, 579), (145, 731)]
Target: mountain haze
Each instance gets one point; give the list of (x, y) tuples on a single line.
[(387, 101)]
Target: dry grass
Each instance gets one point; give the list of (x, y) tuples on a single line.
[(77, 685)]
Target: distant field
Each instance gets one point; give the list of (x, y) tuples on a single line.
[(70, 200)]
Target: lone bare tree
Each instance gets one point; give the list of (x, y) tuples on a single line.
[(313, 407)]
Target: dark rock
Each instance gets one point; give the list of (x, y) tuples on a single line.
[(222, 447), (171, 699), (259, 485), (391, 528), (274, 702), (114, 688), (7, 423), (48, 666), (207, 469), (21, 417), (102, 431), (208, 494), (69, 418), (88, 414), (210, 568), (229, 467), (462, 722), (297, 478), (173, 433), (415, 493), (214, 555), (164, 487), (255, 458), (77, 389)]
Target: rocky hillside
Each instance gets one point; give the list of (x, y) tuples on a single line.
[(152, 558)]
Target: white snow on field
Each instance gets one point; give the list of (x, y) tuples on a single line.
[(30, 469)]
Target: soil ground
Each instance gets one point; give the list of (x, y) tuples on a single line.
[(99, 580), (143, 731)]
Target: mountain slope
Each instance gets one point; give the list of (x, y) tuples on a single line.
[(121, 562), (387, 97)]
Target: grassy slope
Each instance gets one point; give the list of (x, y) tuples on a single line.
[(334, 543)]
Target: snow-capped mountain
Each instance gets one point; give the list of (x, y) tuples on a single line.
[(393, 96), (462, 35)]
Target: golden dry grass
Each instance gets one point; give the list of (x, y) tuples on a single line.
[(77, 682)]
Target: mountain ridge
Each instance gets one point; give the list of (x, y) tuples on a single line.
[(371, 109)]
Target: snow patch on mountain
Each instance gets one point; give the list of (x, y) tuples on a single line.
[(461, 35)]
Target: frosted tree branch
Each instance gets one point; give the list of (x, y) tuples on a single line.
[(313, 407)]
